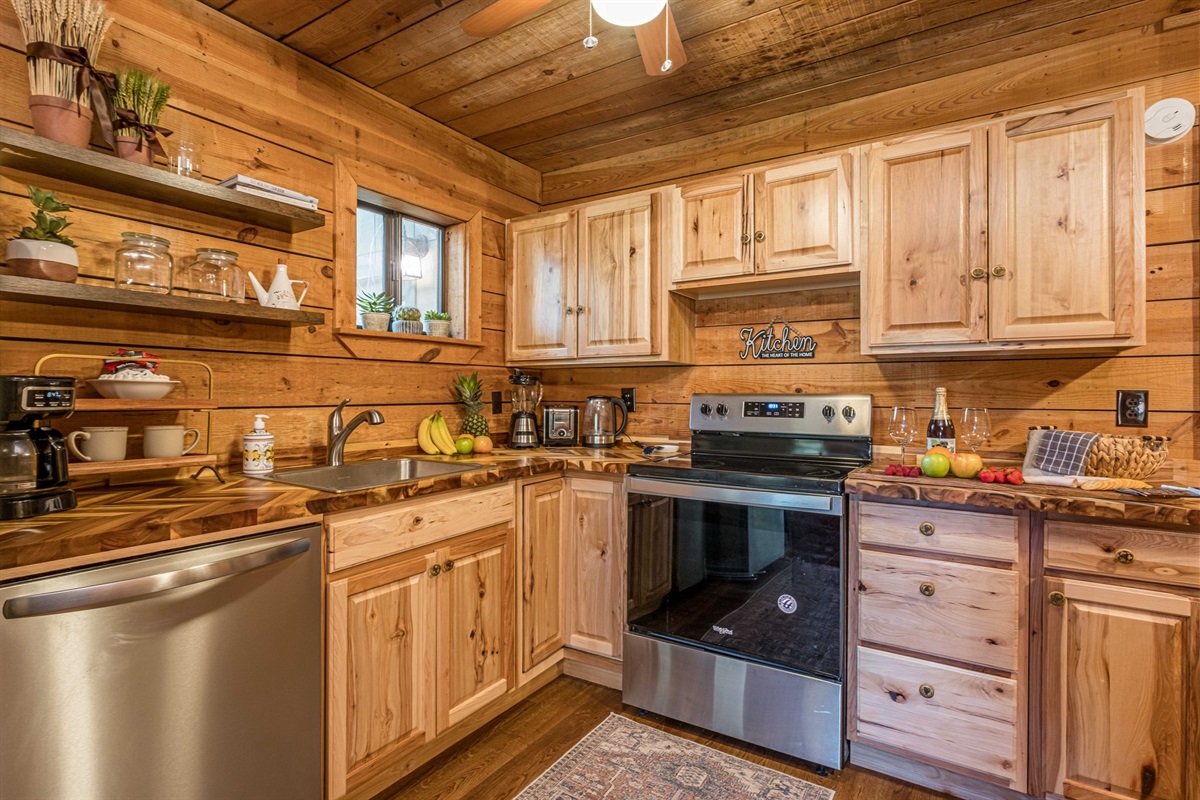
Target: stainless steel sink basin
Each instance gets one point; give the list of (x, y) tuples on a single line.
[(367, 474)]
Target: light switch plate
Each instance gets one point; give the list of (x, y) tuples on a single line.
[(1133, 408)]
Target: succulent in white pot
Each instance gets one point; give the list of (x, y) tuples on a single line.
[(41, 250), (437, 323), (376, 309)]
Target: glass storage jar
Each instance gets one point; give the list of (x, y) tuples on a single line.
[(214, 274), (144, 263)]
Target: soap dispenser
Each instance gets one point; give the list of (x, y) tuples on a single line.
[(258, 448)]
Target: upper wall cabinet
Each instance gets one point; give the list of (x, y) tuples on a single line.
[(788, 218), (588, 285), (1023, 233)]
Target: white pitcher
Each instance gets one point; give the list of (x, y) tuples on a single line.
[(281, 294)]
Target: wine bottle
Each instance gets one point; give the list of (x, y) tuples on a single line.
[(941, 427)]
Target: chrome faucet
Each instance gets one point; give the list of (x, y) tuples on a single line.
[(338, 434)]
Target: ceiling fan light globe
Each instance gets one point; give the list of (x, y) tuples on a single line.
[(590, 42), (628, 13)]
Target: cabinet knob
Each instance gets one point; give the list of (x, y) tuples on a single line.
[(570, 311), (759, 236), (926, 690), (449, 565), (435, 570), (1124, 556), (578, 309), (927, 589), (926, 528), (999, 271), (1058, 599), (745, 238), (979, 273)]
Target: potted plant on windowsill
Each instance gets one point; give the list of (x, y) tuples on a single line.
[(407, 319), (41, 250), (376, 309), (437, 323)]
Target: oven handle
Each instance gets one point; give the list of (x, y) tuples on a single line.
[(817, 504)]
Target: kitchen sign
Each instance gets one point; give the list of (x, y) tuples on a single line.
[(764, 343)]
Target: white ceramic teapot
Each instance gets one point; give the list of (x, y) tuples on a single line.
[(281, 294)]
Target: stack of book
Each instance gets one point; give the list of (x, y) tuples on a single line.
[(258, 188)]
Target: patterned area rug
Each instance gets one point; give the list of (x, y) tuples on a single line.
[(623, 760)]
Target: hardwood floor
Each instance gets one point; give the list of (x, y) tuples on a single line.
[(497, 762)]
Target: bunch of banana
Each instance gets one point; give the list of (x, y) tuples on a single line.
[(434, 436)]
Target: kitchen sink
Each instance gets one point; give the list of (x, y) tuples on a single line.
[(367, 474)]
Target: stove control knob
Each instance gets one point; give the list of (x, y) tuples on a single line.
[(828, 412), (705, 409), (722, 409), (848, 413)]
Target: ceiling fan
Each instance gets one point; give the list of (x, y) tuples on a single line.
[(658, 38)]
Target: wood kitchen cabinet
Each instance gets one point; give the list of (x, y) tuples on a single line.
[(595, 559), (1027, 231), (798, 215), (540, 573), (588, 285)]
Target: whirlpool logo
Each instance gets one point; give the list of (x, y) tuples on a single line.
[(722, 631)]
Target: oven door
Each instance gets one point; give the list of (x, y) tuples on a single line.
[(747, 572)]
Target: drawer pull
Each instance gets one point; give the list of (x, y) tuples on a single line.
[(927, 589), (1124, 556), (449, 565), (435, 570), (926, 528), (1058, 599), (926, 690)]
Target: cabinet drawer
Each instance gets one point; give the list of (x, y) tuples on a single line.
[(935, 530), (969, 719), (970, 614), (1126, 552), (360, 536)]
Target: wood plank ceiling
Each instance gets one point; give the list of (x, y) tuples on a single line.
[(536, 94)]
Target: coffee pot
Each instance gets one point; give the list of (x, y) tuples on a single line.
[(598, 424), (33, 455)]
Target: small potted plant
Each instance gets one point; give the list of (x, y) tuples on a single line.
[(41, 250), (140, 101), (437, 323), (406, 319), (376, 310)]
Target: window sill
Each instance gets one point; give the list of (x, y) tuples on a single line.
[(388, 346)]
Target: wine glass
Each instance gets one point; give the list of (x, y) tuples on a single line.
[(976, 428), (902, 427)]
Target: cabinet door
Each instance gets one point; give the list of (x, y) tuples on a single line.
[(541, 287), (380, 668), (541, 570), (802, 215), (595, 544), (618, 276), (475, 589), (1065, 249), (716, 238), (1121, 698), (926, 279)]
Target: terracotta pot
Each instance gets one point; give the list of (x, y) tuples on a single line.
[(61, 120), (133, 148), (50, 261)]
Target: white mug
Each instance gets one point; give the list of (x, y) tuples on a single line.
[(99, 444), (166, 441)]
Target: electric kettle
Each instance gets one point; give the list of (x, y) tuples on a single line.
[(598, 422)]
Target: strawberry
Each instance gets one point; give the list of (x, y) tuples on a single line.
[(1015, 477), (1000, 476), (987, 476)]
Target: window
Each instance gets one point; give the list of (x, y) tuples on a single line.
[(401, 256)]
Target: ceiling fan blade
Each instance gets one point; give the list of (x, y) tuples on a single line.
[(652, 39), (499, 17)]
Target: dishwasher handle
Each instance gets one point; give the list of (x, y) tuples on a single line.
[(36, 605)]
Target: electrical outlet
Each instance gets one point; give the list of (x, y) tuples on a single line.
[(497, 403), (1133, 408), (630, 398)]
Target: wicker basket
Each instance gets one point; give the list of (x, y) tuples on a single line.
[(1136, 457)]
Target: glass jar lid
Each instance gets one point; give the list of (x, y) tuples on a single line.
[(215, 252), (146, 238)]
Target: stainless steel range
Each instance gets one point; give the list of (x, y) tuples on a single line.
[(736, 607)]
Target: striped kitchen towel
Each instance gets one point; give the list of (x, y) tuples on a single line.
[(1050, 451)]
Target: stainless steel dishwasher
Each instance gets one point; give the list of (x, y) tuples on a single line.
[(192, 675)]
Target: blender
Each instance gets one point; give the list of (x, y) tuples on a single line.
[(526, 394)]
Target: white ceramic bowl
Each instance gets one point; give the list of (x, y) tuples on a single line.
[(133, 390)]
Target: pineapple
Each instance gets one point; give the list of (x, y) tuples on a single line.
[(470, 395)]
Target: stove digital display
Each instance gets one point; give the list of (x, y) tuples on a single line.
[(773, 409)]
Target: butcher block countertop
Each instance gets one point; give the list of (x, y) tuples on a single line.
[(870, 482), (119, 521)]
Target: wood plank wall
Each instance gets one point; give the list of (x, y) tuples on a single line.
[(262, 109), (1075, 391)]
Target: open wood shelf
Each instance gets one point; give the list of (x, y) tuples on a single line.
[(116, 404), (84, 295), (30, 153), (79, 468)]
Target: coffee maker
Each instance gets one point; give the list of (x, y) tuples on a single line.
[(526, 394), (33, 455)]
